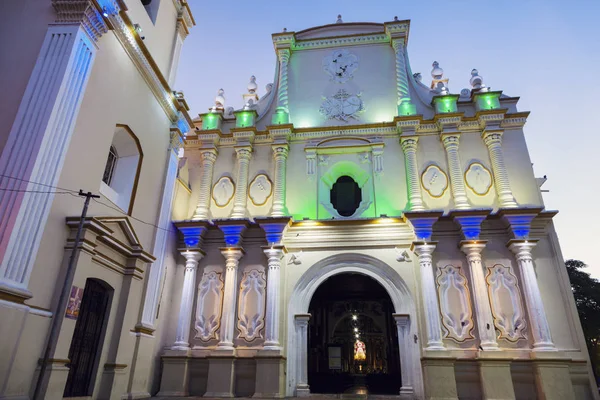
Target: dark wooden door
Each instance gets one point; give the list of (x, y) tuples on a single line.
[(86, 343)]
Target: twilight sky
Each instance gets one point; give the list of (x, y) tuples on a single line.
[(545, 51)]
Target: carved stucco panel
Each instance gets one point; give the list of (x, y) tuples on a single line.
[(223, 191), (507, 306), (455, 303), (251, 305), (260, 189), (209, 306), (434, 180), (478, 178)]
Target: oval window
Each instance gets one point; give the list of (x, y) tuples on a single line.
[(345, 196)]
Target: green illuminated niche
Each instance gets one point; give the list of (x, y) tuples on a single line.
[(245, 118), (445, 104), (407, 108), (488, 101), (210, 121), (281, 117)]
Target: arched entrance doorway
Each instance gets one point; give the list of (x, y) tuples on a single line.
[(298, 319), (352, 338)]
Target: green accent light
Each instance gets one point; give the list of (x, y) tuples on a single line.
[(445, 104), (281, 117), (488, 101), (210, 121), (407, 108), (244, 119)]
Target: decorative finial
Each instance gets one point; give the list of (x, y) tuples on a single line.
[(249, 104), (269, 87), (395, 18), (339, 19), (252, 86), (476, 81), (285, 29), (220, 99), (418, 76), (436, 72)]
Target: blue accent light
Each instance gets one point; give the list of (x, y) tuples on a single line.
[(470, 225), (192, 235), (423, 227), (183, 125), (520, 224), (233, 234)]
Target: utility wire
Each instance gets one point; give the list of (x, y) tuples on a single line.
[(75, 193)]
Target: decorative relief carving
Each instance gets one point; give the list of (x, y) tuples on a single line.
[(223, 191), (324, 159), (434, 180), (505, 299), (455, 303), (478, 178), (82, 12), (209, 306), (340, 65), (364, 158), (251, 305), (342, 106), (260, 189)]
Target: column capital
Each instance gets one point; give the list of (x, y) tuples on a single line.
[(280, 150), (232, 253), (398, 44), (401, 319), (284, 55), (519, 220), (471, 247), (192, 255), (470, 222), (522, 248), (193, 233), (274, 252), (274, 228), (492, 136), (302, 319), (409, 143), (422, 222), (423, 248), (176, 141), (209, 155), (82, 12), (244, 152), (450, 139)]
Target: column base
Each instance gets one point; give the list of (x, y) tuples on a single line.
[(440, 380), (302, 390), (175, 375), (496, 380), (221, 375), (553, 380), (270, 375), (53, 386)]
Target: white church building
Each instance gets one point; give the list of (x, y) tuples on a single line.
[(352, 230), (358, 230)]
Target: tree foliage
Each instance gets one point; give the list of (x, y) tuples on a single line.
[(586, 291)]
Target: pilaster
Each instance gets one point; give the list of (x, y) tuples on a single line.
[(301, 326), (457, 180), (409, 147), (280, 155), (182, 336), (208, 158), (244, 153), (493, 141), (403, 327)]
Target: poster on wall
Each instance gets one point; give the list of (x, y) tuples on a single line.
[(335, 357), (74, 302)]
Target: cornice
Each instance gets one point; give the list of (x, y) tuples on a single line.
[(124, 31), (336, 41)]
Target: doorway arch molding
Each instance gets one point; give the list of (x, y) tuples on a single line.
[(383, 274)]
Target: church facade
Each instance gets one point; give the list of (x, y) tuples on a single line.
[(350, 230), (355, 227)]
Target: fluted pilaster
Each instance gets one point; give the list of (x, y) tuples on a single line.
[(429, 294), (493, 141), (457, 180), (208, 158), (280, 154), (182, 336), (232, 258), (241, 189), (409, 147), (274, 256)]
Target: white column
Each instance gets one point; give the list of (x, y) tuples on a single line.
[(430, 296), (280, 154), (40, 137), (282, 92), (301, 326), (406, 367), (182, 336), (208, 158), (232, 258), (457, 180), (180, 35), (273, 298), (483, 310), (160, 239), (241, 188), (542, 341), (409, 147), (493, 141)]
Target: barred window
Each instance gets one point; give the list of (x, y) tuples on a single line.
[(111, 162)]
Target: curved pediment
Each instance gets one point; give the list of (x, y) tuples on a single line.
[(343, 142), (344, 29)]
